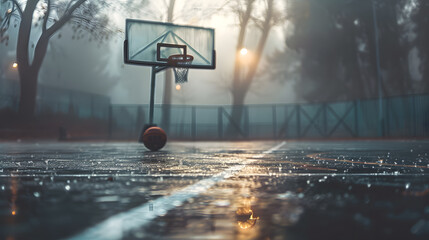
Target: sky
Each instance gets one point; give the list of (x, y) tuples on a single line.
[(99, 68)]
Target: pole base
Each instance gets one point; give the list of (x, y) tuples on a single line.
[(145, 127)]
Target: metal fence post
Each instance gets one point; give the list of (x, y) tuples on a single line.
[(386, 117), (246, 121), (219, 122), (414, 117), (355, 105), (298, 120), (274, 116), (110, 122), (194, 120), (325, 121)]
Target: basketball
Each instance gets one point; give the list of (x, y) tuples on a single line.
[(154, 138)]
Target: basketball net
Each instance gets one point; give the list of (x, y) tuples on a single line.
[(180, 70)]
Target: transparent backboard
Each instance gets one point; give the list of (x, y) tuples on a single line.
[(152, 43)]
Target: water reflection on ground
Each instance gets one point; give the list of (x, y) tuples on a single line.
[(305, 190)]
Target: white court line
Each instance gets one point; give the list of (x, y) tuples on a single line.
[(113, 227)]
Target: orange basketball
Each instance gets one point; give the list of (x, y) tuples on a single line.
[(154, 138)]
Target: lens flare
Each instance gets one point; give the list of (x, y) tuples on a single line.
[(243, 51)]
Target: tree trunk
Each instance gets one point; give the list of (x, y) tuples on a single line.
[(27, 74), (235, 126), (27, 98), (29, 68), (166, 100), (238, 88)]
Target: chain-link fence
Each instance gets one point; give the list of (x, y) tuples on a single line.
[(401, 117)]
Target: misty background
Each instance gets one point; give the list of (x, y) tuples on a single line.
[(77, 62), (322, 51)]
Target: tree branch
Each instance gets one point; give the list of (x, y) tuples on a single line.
[(65, 18), (68, 5), (15, 2), (46, 17), (80, 18)]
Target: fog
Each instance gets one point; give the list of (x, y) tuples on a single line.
[(311, 56), (85, 65), (204, 86)]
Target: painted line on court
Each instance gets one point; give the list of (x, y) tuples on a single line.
[(114, 226)]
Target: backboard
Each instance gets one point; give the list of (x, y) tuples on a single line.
[(152, 43)]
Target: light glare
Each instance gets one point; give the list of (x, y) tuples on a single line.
[(15, 65), (243, 51), (178, 87)]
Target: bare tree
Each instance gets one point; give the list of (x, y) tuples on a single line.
[(166, 99), (47, 17), (6, 10), (244, 75)]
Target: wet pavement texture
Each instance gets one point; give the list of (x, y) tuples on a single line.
[(299, 190)]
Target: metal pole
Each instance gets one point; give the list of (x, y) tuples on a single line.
[(110, 122), (194, 122), (274, 118), (379, 79), (220, 122), (152, 95)]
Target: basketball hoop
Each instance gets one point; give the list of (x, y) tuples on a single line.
[(180, 63)]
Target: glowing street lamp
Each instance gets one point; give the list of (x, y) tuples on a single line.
[(243, 51), (15, 65)]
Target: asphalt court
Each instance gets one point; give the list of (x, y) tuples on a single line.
[(215, 190)]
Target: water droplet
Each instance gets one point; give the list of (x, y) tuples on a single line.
[(67, 187)]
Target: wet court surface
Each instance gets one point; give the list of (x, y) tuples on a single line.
[(215, 190)]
